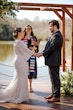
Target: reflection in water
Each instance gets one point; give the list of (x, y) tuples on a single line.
[(6, 50), (6, 62), (7, 56)]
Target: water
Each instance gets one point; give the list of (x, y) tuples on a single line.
[(6, 62)]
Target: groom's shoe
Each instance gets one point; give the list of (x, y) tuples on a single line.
[(48, 97), (54, 99)]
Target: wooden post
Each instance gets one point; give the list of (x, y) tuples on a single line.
[(72, 43), (63, 32)]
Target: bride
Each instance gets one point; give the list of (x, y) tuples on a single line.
[(17, 91)]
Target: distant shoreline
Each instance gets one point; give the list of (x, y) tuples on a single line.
[(6, 42)]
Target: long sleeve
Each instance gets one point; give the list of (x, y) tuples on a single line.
[(24, 50)]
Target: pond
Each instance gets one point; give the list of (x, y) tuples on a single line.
[(6, 62), (7, 56)]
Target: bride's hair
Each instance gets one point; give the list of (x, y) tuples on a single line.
[(16, 31)]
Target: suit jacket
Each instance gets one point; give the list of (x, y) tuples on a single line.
[(52, 51)]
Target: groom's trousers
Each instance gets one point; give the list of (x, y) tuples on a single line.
[(55, 80)]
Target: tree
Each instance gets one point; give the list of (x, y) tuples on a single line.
[(6, 7)]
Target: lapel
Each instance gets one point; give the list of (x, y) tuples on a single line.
[(51, 39), (53, 36)]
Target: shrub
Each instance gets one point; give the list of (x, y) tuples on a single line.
[(67, 83)]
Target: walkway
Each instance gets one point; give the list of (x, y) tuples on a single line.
[(37, 101)]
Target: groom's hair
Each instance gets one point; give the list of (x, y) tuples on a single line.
[(55, 22)]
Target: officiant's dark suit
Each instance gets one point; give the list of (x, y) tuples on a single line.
[(52, 54)]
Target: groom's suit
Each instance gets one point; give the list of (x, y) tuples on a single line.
[(52, 54)]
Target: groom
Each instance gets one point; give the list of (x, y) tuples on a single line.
[(52, 54)]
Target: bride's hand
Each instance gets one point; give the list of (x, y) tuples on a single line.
[(39, 55)]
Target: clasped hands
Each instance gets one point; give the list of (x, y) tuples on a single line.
[(36, 54), (39, 55)]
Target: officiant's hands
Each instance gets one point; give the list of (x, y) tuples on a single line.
[(32, 48)]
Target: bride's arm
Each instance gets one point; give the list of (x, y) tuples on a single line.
[(26, 51)]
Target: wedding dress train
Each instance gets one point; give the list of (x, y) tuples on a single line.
[(17, 91)]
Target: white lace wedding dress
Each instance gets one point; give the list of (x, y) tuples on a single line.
[(17, 91)]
